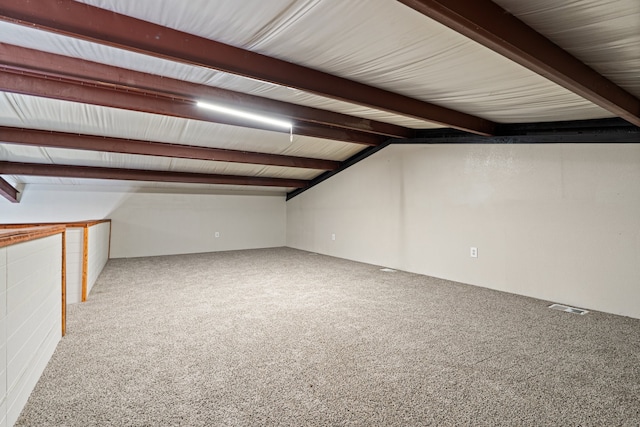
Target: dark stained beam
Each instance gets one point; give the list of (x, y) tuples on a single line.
[(101, 26), (599, 131), (57, 66), (490, 25), (128, 146), (111, 96), (8, 192), (65, 171)]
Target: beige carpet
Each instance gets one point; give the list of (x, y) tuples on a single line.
[(281, 337)]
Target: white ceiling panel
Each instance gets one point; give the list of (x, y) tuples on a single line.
[(604, 34)]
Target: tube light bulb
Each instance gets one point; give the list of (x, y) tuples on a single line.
[(245, 115)]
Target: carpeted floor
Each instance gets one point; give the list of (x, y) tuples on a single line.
[(281, 337)]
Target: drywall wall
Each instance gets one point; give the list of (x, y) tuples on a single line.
[(555, 222), (147, 224), (161, 224), (30, 318)]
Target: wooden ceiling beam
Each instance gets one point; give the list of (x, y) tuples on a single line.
[(34, 84), (89, 172), (97, 25), (492, 26), (8, 191), (57, 66), (41, 138)]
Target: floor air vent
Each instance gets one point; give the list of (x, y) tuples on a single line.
[(567, 309), (388, 270)]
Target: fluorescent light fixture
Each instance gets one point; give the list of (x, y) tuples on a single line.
[(245, 115)]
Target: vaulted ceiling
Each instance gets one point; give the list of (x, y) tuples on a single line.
[(106, 92)]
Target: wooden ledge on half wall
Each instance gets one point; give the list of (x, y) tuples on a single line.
[(13, 235), (88, 223), (83, 249)]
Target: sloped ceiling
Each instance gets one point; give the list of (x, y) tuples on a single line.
[(89, 94)]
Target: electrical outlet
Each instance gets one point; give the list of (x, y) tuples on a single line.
[(473, 252), (333, 236), (217, 234)]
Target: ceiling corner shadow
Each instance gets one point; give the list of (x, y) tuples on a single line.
[(361, 155)]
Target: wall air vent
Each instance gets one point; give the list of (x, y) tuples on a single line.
[(567, 309)]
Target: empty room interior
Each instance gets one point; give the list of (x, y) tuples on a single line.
[(319, 212)]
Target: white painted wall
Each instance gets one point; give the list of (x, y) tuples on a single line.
[(147, 224), (98, 252), (30, 318), (62, 203), (556, 222), (162, 224), (74, 264)]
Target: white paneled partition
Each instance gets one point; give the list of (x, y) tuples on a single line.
[(83, 271), (74, 264), (30, 317), (3, 337), (98, 251)]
